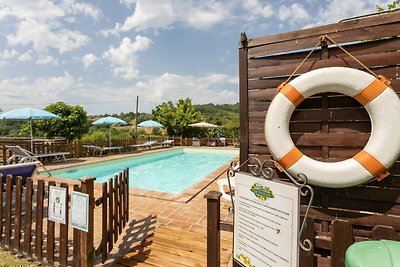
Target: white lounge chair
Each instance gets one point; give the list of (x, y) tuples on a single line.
[(167, 143), (101, 149), (221, 186), (148, 144), (26, 156)]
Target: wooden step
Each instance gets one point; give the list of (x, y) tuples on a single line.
[(173, 247)]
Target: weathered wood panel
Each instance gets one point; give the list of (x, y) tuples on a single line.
[(328, 127)]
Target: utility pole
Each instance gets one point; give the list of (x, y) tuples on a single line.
[(136, 116)]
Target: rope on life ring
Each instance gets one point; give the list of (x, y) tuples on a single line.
[(382, 105)]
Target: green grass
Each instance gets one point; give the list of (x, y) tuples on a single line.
[(8, 259)]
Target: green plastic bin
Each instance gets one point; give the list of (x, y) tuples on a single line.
[(381, 253)]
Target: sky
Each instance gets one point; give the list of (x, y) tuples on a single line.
[(103, 54)]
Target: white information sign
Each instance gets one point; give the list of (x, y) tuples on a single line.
[(79, 215), (266, 225), (57, 204)]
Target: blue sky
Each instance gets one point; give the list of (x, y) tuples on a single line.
[(102, 54)]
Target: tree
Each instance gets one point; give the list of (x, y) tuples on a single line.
[(72, 124), (176, 118)]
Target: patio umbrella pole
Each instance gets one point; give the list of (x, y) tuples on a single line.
[(110, 135), (30, 127)]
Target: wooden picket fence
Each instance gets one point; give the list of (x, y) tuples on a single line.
[(115, 211), (26, 230)]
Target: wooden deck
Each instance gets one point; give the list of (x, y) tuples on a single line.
[(173, 247)]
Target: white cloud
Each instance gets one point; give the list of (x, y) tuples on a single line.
[(8, 54), (29, 92), (124, 59), (205, 15), (43, 36), (88, 60), (42, 24), (47, 59), (257, 9), (153, 14), (127, 3), (72, 7), (213, 88), (340, 9), (27, 56), (293, 13)]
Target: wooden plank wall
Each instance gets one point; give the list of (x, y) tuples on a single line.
[(328, 127)]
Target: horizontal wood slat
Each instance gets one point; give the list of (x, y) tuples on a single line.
[(370, 32), (380, 19), (362, 48), (371, 60)]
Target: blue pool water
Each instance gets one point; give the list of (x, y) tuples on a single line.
[(167, 171)]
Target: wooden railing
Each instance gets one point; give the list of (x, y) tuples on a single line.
[(26, 229)]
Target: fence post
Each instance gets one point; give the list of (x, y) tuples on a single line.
[(77, 149), (87, 248), (213, 233), (342, 238)]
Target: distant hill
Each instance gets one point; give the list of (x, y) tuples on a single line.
[(220, 114)]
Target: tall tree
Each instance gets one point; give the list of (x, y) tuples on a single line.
[(72, 124), (176, 118)]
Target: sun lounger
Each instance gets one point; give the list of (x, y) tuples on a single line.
[(148, 144), (101, 149), (221, 186), (167, 143), (25, 155), (24, 170)]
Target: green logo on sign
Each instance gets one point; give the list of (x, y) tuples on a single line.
[(261, 192)]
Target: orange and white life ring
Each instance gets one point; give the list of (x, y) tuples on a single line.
[(382, 105)]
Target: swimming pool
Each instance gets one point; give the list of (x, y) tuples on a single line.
[(169, 171)]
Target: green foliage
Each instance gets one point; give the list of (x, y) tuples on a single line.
[(10, 127), (390, 6), (72, 124), (176, 118), (95, 136), (156, 132), (225, 115)]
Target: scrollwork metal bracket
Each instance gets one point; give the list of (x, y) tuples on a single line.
[(262, 169)]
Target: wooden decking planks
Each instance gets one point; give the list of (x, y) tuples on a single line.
[(173, 247)]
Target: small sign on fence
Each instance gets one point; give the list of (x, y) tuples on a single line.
[(57, 204), (79, 215), (266, 222)]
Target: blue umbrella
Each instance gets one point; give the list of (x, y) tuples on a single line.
[(109, 121), (150, 123), (28, 114)]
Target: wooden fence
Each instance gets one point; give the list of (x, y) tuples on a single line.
[(77, 149), (26, 229), (114, 201), (327, 127)]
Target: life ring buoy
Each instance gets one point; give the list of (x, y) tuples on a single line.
[(382, 105)]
